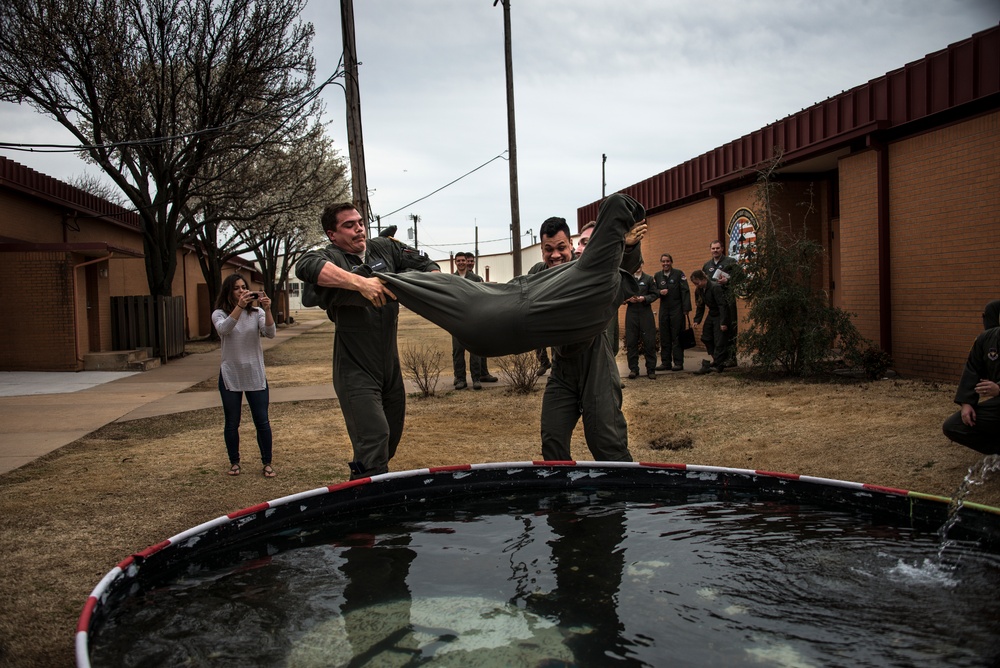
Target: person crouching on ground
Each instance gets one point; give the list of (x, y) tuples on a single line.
[(977, 424), (240, 326)]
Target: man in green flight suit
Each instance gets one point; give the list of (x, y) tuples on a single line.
[(585, 381), (725, 271), (366, 370), (675, 304)]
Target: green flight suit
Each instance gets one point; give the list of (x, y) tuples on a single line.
[(585, 382), (366, 371), (673, 307), (564, 305), (640, 325)]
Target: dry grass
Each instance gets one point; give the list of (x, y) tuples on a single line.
[(72, 515)]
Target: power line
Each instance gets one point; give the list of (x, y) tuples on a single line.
[(65, 148), (446, 185)]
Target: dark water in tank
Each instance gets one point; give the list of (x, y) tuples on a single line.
[(571, 578)]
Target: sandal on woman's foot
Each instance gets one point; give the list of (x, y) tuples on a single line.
[(268, 471), (234, 469)]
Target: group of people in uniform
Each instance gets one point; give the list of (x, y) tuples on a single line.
[(714, 294)]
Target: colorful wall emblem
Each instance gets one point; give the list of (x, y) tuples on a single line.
[(742, 230)]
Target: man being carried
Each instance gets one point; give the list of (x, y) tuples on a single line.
[(568, 304)]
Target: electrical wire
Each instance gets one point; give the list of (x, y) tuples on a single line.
[(501, 156), (299, 102)]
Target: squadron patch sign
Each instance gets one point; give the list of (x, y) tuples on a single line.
[(742, 230)]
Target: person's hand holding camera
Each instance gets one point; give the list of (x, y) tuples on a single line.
[(265, 302), (245, 298)]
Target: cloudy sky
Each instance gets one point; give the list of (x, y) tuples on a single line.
[(649, 83)]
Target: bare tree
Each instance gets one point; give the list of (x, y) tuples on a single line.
[(269, 206), (305, 180), (162, 94), (95, 186)]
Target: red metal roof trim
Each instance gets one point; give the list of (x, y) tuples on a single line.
[(963, 73), (24, 179), (78, 247)]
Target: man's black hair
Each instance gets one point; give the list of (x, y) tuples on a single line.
[(553, 226)]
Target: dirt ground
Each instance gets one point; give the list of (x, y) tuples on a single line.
[(69, 517)]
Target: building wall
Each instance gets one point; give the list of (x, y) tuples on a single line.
[(32, 221), (127, 276), (686, 233), (187, 279), (40, 334), (62, 298), (944, 206), (858, 284)]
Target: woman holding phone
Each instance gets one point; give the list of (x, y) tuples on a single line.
[(240, 325)]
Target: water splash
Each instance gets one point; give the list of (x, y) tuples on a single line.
[(931, 573), (976, 476)]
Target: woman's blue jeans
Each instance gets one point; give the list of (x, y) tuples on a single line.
[(232, 407)]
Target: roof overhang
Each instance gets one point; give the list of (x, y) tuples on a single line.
[(87, 249)]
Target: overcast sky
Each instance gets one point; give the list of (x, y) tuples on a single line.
[(649, 83)]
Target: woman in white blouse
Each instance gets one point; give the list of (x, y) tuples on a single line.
[(240, 325)]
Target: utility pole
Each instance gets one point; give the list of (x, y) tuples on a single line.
[(355, 141), (604, 181), (416, 219), (515, 209)]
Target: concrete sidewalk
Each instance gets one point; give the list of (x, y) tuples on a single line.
[(36, 423)]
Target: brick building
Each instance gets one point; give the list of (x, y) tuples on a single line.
[(64, 253), (904, 176)]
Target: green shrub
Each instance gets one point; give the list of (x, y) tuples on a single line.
[(793, 327)]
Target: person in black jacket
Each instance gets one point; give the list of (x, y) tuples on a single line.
[(640, 325), (725, 271), (366, 371), (457, 349), (714, 333), (977, 424), (675, 304)]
